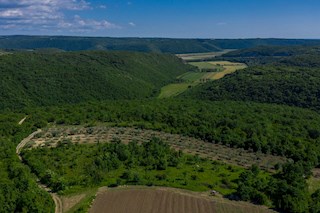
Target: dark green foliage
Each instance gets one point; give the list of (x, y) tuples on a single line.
[(287, 189), (251, 186), (18, 190), (57, 78), (315, 202)]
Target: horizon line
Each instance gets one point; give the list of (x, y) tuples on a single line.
[(159, 37)]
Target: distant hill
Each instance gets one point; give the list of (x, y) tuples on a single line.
[(303, 56), (165, 45), (99, 43), (33, 78)]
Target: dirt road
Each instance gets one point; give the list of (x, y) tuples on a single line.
[(55, 197)]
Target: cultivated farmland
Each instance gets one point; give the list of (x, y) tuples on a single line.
[(210, 70), (229, 67), (146, 200), (202, 56)]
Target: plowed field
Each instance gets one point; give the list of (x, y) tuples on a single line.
[(166, 201)]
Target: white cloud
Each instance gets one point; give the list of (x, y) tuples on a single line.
[(11, 13), (132, 24), (53, 15), (102, 6)]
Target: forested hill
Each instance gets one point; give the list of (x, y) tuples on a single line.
[(29, 78), (105, 43), (165, 45), (279, 75), (275, 51)]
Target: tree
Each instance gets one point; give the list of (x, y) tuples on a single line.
[(315, 202)]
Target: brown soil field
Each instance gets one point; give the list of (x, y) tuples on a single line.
[(166, 200), (82, 135)]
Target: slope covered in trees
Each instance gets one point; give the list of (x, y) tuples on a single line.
[(72, 77), (278, 75), (295, 86), (275, 51)]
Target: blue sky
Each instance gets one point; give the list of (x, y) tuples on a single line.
[(163, 18)]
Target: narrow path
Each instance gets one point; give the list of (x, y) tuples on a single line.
[(55, 197), (22, 120)]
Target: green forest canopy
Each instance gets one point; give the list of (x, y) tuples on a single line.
[(39, 79)]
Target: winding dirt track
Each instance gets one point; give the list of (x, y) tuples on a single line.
[(54, 196)]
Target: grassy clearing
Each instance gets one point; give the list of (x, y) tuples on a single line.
[(229, 66), (314, 181), (80, 166), (78, 201), (205, 65), (192, 76), (314, 184), (172, 90), (195, 176), (189, 79)]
